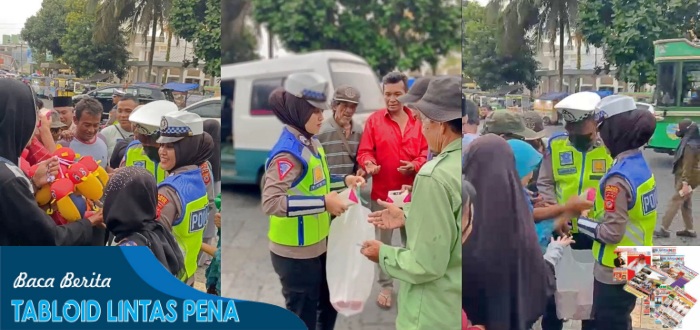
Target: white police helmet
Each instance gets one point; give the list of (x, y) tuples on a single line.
[(614, 105), (578, 106), (149, 115), (178, 125), (309, 86)]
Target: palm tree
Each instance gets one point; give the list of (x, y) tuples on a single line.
[(546, 19), (134, 16)]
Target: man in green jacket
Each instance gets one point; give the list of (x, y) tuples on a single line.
[(430, 266)]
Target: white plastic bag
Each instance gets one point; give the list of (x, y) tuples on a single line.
[(574, 294), (350, 274)]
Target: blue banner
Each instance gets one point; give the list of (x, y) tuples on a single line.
[(115, 288)]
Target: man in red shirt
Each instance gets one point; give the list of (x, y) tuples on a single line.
[(392, 150)]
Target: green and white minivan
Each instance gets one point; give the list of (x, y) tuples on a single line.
[(249, 129)]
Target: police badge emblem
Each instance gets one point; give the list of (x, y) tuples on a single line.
[(566, 158), (599, 166), (567, 115), (163, 124)]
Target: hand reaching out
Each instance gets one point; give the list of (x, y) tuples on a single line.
[(564, 240), (391, 217)]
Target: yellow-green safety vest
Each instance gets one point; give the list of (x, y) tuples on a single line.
[(188, 229), (135, 156), (575, 172), (642, 212), (308, 229)]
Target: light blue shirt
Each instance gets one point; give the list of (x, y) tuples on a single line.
[(468, 138)]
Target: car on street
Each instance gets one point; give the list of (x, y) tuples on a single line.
[(144, 92), (207, 109)]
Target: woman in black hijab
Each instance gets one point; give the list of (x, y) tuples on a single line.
[(184, 204), (629, 191), (130, 214), (505, 279), (21, 220)]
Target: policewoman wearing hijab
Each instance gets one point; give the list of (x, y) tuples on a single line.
[(505, 283), (296, 195), (130, 205), (629, 218), (21, 219), (143, 150), (183, 203)]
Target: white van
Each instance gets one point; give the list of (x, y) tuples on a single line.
[(249, 129)]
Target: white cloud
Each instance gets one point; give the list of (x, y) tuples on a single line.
[(13, 16)]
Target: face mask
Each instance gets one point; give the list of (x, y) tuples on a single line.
[(680, 134), (581, 142), (152, 153)]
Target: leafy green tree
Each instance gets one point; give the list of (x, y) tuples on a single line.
[(200, 22), (82, 53), (553, 20), (143, 17), (626, 30), (44, 30), (238, 41), (388, 34), (489, 65)]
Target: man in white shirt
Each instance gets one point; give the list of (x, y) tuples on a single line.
[(122, 130)]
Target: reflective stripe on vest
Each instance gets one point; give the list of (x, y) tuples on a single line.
[(576, 171), (642, 213), (135, 156), (188, 229), (309, 229)]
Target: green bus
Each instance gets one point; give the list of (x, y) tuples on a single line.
[(677, 90)]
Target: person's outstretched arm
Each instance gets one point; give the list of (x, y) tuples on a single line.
[(24, 223), (430, 232)]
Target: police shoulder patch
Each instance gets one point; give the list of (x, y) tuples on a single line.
[(611, 192), (284, 166), (206, 174), (162, 201)]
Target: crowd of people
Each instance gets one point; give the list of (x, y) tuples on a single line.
[(537, 191), (315, 158), (158, 171)]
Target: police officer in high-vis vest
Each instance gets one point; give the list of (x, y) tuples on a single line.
[(575, 160), (297, 197), (630, 206), (183, 203), (143, 151)]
